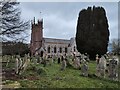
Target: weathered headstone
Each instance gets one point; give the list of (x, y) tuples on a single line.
[(45, 57), (63, 64), (26, 63), (113, 68), (77, 62), (16, 65), (84, 68), (97, 59), (101, 67)]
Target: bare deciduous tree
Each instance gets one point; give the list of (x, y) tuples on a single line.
[(11, 23), (116, 45)]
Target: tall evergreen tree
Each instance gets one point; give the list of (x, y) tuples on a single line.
[(92, 34)]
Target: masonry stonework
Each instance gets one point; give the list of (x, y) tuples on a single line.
[(36, 36), (50, 46)]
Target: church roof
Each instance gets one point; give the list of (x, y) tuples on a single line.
[(53, 40)]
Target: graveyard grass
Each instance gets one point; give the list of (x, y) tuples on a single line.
[(53, 77)]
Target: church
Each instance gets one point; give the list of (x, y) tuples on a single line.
[(52, 46)]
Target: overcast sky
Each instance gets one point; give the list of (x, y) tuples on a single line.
[(60, 19)]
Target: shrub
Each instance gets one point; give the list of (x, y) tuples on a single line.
[(41, 71)]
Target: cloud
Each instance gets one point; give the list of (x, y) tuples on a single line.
[(66, 1), (60, 27), (60, 19)]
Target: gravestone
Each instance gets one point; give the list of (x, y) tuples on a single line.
[(77, 62), (114, 68), (16, 65), (63, 63), (84, 68), (101, 67)]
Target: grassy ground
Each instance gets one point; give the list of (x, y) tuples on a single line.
[(69, 78)]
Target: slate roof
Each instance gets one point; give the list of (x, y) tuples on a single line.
[(53, 40)]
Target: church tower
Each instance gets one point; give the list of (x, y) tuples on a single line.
[(36, 35)]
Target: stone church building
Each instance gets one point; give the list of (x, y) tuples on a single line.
[(51, 46)]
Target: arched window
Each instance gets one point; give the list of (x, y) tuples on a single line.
[(49, 49), (66, 50), (60, 50), (55, 49), (74, 49)]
